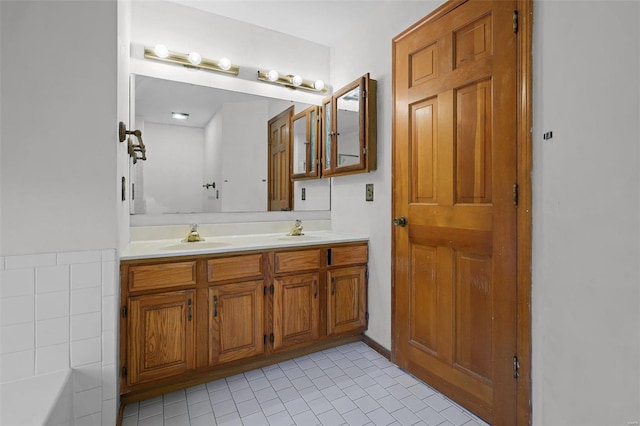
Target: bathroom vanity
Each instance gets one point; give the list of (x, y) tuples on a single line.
[(193, 313)]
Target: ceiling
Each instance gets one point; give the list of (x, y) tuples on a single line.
[(324, 22)]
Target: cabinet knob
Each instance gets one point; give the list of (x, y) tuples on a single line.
[(400, 221)]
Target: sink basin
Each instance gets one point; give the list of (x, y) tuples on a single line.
[(298, 238), (200, 245)]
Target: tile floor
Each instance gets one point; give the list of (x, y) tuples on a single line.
[(347, 385)]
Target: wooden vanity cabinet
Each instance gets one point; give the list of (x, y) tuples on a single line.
[(189, 320), (236, 308)]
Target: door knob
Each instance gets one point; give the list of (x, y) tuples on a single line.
[(400, 221)]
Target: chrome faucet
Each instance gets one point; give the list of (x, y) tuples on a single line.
[(297, 228), (193, 235)]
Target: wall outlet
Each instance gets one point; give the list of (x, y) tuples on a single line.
[(304, 194), (369, 192)]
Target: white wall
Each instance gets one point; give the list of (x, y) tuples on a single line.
[(59, 125), (586, 349), (213, 163), (173, 172)]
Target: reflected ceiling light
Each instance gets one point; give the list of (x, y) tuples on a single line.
[(179, 115), (193, 60), (291, 81), (225, 63), (161, 51)]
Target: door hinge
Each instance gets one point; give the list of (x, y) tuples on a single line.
[(516, 193), (124, 371), (364, 94), (515, 22), (265, 339), (124, 311), (272, 338), (265, 290), (271, 289), (366, 316), (189, 316), (516, 367), (366, 274)]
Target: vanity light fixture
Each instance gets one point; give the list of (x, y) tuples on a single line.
[(191, 60), (291, 81), (179, 115)]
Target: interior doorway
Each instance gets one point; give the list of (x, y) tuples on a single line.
[(280, 183)]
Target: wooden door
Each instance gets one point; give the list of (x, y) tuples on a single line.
[(161, 335), (347, 299), (454, 170), (280, 184), (295, 310), (236, 321)]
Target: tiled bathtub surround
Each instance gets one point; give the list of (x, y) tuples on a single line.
[(58, 311)]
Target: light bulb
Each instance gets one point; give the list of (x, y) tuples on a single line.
[(225, 64), (273, 75), (195, 58), (161, 51), (296, 80), (318, 85)]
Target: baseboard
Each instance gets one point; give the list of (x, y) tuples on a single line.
[(376, 346)]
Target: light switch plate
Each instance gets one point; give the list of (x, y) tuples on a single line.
[(369, 192)]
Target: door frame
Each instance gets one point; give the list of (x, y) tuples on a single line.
[(523, 215)]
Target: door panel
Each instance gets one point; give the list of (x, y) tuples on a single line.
[(454, 171), (347, 299), (296, 316), (280, 171)]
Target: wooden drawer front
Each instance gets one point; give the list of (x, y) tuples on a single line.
[(299, 260), (230, 268), (349, 255), (147, 277)]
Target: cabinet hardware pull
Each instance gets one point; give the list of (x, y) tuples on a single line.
[(333, 286), (189, 313), (315, 289), (215, 306)]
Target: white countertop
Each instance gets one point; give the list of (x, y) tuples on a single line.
[(232, 243)]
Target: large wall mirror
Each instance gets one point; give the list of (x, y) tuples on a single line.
[(215, 160)]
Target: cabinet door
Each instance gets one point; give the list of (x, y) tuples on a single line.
[(161, 335), (295, 310), (236, 321), (347, 299)]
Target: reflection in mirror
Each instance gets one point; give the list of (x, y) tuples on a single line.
[(348, 122), (214, 161), (300, 144)]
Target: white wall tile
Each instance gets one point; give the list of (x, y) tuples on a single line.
[(86, 326), (71, 257), (85, 352), (109, 281), (17, 282), (109, 313), (88, 402), (52, 278), (90, 420), (16, 310), (52, 331), (109, 385), (84, 275), (30, 261), (16, 338), (108, 255), (52, 358), (16, 365), (87, 377), (52, 305), (109, 411), (109, 347), (86, 300)]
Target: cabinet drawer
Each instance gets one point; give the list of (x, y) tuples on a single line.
[(299, 260), (348, 255), (148, 277), (230, 268)]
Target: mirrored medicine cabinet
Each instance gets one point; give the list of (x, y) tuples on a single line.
[(339, 138)]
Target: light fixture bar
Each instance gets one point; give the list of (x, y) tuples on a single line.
[(288, 81), (183, 59)]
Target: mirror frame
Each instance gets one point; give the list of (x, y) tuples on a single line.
[(312, 150)]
